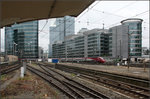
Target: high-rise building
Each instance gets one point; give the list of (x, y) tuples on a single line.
[(64, 27), (135, 36), (22, 40)]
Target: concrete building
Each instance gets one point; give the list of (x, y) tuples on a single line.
[(135, 36), (64, 27), (92, 43), (118, 42), (82, 30), (22, 40)]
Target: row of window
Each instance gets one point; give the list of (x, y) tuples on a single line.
[(135, 41)]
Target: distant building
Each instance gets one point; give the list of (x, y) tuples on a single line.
[(135, 36), (92, 43), (22, 40), (82, 30), (122, 41), (64, 27)]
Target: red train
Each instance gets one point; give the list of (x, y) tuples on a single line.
[(88, 59)]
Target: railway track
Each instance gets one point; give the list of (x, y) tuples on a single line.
[(125, 88), (9, 69), (72, 89), (124, 78)]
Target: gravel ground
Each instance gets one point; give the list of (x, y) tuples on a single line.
[(29, 87)]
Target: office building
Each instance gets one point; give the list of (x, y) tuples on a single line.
[(122, 41), (92, 43), (64, 27), (22, 40), (135, 36)]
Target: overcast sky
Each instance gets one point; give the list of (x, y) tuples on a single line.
[(108, 12)]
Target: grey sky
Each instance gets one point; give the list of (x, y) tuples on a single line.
[(108, 12)]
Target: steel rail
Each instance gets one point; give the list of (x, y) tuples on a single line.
[(90, 91), (37, 72)]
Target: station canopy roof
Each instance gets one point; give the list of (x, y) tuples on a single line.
[(17, 11)]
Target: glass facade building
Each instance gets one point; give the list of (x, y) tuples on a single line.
[(135, 36), (64, 27), (22, 40)]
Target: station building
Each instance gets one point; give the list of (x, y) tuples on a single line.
[(22, 40)]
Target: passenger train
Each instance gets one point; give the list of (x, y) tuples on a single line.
[(88, 59)]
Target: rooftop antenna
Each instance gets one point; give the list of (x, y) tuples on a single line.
[(103, 26)]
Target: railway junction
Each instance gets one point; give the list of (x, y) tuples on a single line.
[(32, 77), (67, 80)]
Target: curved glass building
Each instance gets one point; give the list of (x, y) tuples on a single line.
[(135, 36)]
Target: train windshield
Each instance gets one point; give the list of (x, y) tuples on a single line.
[(101, 58)]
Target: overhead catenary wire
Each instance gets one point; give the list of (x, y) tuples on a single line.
[(128, 17), (50, 12), (44, 25), (125, 6), (114, 11)]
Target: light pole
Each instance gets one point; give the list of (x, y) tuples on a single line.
[(14, 48), (129, 35), (30, 52), (0, 46)]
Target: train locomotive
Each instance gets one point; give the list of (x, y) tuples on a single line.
[(83, 60)]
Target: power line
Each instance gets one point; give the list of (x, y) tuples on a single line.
[(114, 12), (107, 15), (44, 25), (141, 13), (126, 6), (88, 10), (128, 17)]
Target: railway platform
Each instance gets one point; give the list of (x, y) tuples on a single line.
[(121, 70)]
